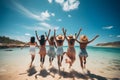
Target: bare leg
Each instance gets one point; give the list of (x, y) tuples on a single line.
[(41, 61), (40, 58), (32, 59), (68, 61), (72, 61), (61, 58), (50, 61), (52, 58), (81, 62), (84, 61), (59, 63)]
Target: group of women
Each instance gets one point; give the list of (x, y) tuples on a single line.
[(57, 42)]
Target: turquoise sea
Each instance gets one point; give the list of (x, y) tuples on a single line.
[(103, 58)]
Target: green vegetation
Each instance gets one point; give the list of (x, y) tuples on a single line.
[(110, 44), (4, 39)]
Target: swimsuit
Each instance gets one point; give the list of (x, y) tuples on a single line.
[(42, 51), (51, 51), (32, 49), (71, 53), (59, 50), (83, 53)]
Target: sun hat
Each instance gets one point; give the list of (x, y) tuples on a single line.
[(71, 37), (60, 37), (83, 38)]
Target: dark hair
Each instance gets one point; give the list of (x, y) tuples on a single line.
[(60, 41), (71, 41), (52, 38), (32, 39), (42, 40)]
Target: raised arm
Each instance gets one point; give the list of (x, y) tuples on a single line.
[(48, 34), (76, 35), (77, 40), (55, 45), (54, 34), (64, 32), (36, 35), (93, 39)]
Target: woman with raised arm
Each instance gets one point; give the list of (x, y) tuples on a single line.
[(59, 41), (71, 53), (51, 52), (83, 53), (42, 51), (32, 45)]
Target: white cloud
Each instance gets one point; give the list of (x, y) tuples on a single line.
[(45, 15), (53, 14), (108, 27), (118, 36), (68, 5), (59, 1), (69, 16), (27, 34), (42, 26), (48, 26), (50, 1), (45, 25), (59, 20), (42, 17)]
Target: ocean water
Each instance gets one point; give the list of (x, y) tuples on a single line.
[(109, 58)]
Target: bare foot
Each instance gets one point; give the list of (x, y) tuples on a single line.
[(30, 65), (41, 65)]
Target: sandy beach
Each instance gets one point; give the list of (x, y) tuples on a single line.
[(92, 27), (17, 68)]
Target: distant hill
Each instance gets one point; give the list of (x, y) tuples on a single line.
[(110, 44), (6, 42), (4, 39)]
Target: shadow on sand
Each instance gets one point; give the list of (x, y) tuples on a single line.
[(45, 73), (72, 74), (31, 71)]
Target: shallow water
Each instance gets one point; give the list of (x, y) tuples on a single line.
[(105, 59)]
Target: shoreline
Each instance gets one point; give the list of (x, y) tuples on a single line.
[(14, 65), (5, 45), (107, 46)]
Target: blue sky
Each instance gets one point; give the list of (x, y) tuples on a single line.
[(20, 18)]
